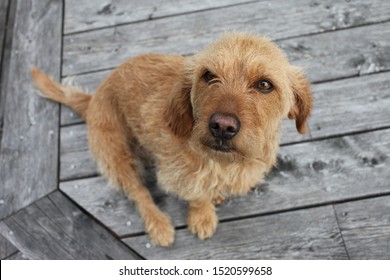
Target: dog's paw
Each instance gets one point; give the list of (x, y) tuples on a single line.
[(202, 222), (161, 230), (218, 200)]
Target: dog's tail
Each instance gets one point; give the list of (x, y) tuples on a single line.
[(69, 96)]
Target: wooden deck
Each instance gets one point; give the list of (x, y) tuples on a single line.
[(328, 199)]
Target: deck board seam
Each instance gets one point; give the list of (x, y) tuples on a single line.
[(100, 223), (161, 17), (350, 77), (216, 8), (6, 37), (322, 81), (67, 218), (23, 229), (276, 212), (308, 206), (335, 30), (28, 205), (334, 136), (340, 231)]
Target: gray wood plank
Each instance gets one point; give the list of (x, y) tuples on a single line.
[(54, 228), (3, 20), (340, 107), (305, 234), (75, 159), (3, 24), (77, 165), (6, 20), (106, 48), (6, 248), (112, 208), (86, 15), (74, 139), (365, 227), (17, 256), (350, 105), (342, 54), (29, 148), (308, 174)]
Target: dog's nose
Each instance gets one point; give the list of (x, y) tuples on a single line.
[(224, 126)]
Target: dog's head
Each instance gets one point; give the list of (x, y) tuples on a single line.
[(232, 96)]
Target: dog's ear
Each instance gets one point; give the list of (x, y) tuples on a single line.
[(303, 103), (178, 113)]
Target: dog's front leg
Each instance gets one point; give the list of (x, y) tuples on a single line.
[(202, 218)]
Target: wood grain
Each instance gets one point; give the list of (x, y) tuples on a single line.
[(365, 227), (351, 105), (54, 228), (4, 4), (6, 20), (186, 34), (305, 234), (308, 174), (6, 248), (342, 54), (86, 15), (28, 162), (112, 208), (17, 256)]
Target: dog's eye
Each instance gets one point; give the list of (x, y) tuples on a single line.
[(264, 86), (208, 76)]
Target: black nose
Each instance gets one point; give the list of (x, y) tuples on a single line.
[(224, 126)]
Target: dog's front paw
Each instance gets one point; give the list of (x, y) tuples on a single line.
[(161, 230), (202, 221), (218, 200)]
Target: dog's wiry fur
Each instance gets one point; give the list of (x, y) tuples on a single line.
[(163, 103)]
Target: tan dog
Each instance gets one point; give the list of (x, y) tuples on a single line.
[(210, 122)]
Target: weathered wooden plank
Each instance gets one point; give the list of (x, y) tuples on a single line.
[(28, 162), (305, 234), (74, 139), (86, 15), (3, 21), (102, 49), (341, 54), (340, 107), (17, 256), (365, 227), (112, 207), (351, 105), (54, 228), (77, 165), (308, 174), (6, 20), (3, 24), (75, 159), (6, 248)]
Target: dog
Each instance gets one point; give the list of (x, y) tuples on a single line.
[(210, 122)]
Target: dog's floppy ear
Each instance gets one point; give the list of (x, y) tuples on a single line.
[(178, 113), (303, 103)]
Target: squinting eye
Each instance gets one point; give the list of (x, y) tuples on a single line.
[(208, 76), (264, 86)]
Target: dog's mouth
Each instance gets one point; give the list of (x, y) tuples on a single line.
[(220, 146)]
